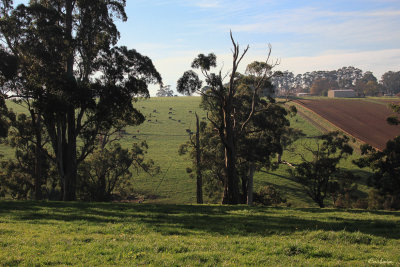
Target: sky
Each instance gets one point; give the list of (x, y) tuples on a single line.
[(304, 35)]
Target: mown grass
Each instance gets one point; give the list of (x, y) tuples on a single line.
[(165, 130), (89, 234)]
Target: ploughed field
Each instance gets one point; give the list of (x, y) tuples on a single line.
[(363, 119)]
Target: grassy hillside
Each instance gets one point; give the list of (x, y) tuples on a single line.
[(104, 234), (165, 130)]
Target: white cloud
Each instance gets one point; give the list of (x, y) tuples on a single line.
[(207, 3)]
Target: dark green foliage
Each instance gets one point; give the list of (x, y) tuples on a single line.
[(391, 82), (245, 140), (8, 67), (343, 189), (108, 171), (204, 62), (264, 137), (221, 97), (8, 72), (3, 114), (31, 174), (80, 85), (268, 195), (394, 119), (188, 83), (319, 174), (211, 160), (165, 91), (386, 167)]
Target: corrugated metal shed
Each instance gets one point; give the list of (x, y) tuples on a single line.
[(341, 93)]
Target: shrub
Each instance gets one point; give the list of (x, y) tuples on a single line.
[(375, 200), (361, 203), (268, 195)]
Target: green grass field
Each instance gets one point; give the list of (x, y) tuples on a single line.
[(166, 231), (165, 130), (104, 234), (165, 135)]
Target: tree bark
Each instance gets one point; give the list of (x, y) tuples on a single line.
[(244, 181), (199, 178), (69, 155), (250, 184), (231, 186), (36, 124)]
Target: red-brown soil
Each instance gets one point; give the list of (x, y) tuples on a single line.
[(364, 120)]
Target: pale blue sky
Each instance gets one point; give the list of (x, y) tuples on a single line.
[(305, 35)]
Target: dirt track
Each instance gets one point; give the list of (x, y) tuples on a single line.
[(364, 120)]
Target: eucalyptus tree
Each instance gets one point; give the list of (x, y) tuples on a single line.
[(165, 91), (82, 85), (391, 82), (220, 99), (3, 121), (8, 71), (347, 76), (321, 173)]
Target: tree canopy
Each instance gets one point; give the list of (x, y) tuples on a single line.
[(239, 120), (320, 173), (80, 83)]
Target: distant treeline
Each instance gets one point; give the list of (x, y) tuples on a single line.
[(319, 82)]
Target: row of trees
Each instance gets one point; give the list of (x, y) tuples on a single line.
[(319, 82), (60, 62)]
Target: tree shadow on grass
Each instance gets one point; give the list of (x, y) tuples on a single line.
[(297, 192), (198, 220)]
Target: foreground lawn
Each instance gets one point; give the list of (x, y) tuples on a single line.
[(55, 233)]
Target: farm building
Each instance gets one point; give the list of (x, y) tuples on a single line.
[(341, 93)]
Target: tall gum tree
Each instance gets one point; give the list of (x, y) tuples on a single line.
[(221, 98), (81, 83)]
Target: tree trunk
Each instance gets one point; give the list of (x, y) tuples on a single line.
[(70, 175), (199, 184), (36, 125), (250, 184), (69, 186), (231, 190), (70, 161), (243, 197), (69, 155)]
